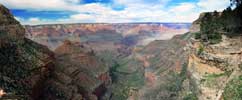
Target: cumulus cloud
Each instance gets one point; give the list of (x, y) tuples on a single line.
[(134, 10)]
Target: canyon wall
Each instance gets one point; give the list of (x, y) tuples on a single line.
[(30, 71)]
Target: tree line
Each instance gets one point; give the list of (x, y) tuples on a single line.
[(228, 22)]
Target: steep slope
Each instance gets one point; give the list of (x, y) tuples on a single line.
[(166, 75), (127, 76), (215, 66), (30, 71), (25, 65), (78, 74), (154, 72), (184, 68)]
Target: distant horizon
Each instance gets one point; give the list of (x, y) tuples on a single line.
[(32, 12), (110, 23)]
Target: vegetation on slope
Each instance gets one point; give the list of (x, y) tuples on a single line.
[(233, 90), (228, 22), (174, 86), (19, 63), (127, 75)]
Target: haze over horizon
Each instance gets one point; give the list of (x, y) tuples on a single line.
[(34, 12)]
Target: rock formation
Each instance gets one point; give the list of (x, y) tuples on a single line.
[(213, 66), (25, 65)]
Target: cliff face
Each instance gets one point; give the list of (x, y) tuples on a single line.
[(195, 27), (25, 65), (214, 66)]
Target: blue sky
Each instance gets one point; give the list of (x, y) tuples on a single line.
[(110, 11)]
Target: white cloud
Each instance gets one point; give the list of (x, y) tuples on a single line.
[(73, 1), (135, 10), (141, 2), (184, 7), (211, 5), (31, 21), (43, 5), (34, 19)]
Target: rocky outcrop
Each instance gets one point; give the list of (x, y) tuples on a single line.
[(195, 27), (213, 66), (25, 65)]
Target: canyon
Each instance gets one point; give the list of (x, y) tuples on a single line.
[(121, 61), (111, 36)]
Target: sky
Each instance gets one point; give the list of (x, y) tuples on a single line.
[(35, 12)]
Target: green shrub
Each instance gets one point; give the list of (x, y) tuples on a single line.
[(125, 78), (210, 28), (113, 72), (214, 38), (198, 35), (240, 66), (176, 84), (190, 96), (200, 50)]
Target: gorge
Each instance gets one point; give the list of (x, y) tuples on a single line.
[(121, 61)]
